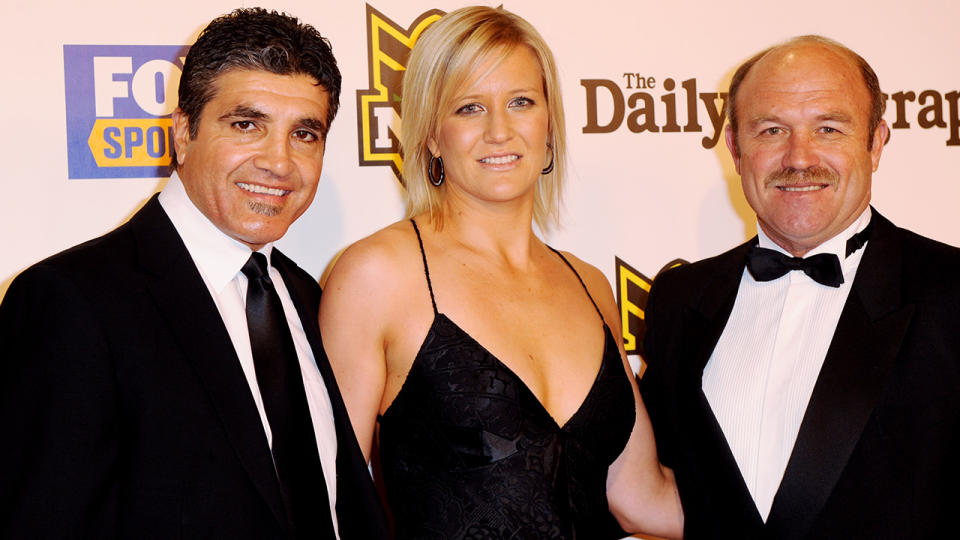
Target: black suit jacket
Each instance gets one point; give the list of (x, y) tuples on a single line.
[(878, 449), (126, 412)]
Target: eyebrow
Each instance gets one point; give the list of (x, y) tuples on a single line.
[(314, 124), (835, 116), (244, 111), (524, 90)]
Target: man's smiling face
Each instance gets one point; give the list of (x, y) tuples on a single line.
[(253, 165), (803, 157)]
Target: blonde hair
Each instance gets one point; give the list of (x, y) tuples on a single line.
[(445, 56)]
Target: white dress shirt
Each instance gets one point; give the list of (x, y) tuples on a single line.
[(219, 259), (761, 374)]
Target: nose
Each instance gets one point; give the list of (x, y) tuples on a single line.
[(499, 127), (274, 155), (801, 152)]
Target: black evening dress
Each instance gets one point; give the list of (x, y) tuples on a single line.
[(467, 450)]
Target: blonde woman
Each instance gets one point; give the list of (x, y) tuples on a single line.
[(485, 361)]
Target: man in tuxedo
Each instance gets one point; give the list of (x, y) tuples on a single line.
[(804, 384), (167, 380)]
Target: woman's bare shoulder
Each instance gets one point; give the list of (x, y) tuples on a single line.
[(595, 281), (378, 262), (590, 274)]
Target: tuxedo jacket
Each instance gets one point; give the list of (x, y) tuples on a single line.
[(878, 449), (126, 412)]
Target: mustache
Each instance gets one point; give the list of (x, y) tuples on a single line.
[(788, 176)]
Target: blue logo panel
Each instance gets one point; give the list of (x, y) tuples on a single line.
[(118, 100)]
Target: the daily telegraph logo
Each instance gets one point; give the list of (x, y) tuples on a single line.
[(608, 104), (640, 103), (932, 109), (378, 107), (633, 288), (119, 99)]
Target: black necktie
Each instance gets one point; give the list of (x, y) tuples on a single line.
[(281, 387), (768, 264)]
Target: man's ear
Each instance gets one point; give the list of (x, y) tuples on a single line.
[(181, 134), (880, 136), (731, 139)]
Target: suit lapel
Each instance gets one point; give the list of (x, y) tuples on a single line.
[(705, 321), (713, 308), (305, 294), (193, 319), (359, 514), (858, 362)]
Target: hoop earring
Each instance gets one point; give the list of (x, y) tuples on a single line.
[(430, 166), (549, 168)]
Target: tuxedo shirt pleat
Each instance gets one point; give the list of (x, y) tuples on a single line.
[(761, 374)]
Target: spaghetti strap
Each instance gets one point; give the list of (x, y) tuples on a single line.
[(426, 270), (582, 284)]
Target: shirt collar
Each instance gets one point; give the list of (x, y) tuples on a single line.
[(218, 256)]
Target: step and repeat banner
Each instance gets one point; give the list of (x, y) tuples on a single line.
[(88, 89)]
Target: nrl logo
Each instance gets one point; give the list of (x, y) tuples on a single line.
[(378, 108), (633, 288)]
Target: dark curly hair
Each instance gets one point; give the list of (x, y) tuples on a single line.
[(254, 38)]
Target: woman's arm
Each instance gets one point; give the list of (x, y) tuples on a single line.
[(352, 325), (641, 492)]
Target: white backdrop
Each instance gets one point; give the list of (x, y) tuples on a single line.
[(646, 198)]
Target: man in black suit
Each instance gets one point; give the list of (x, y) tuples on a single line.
[(804, 384), (167, 380)]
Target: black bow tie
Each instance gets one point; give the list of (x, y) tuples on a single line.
[(768, 264)]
